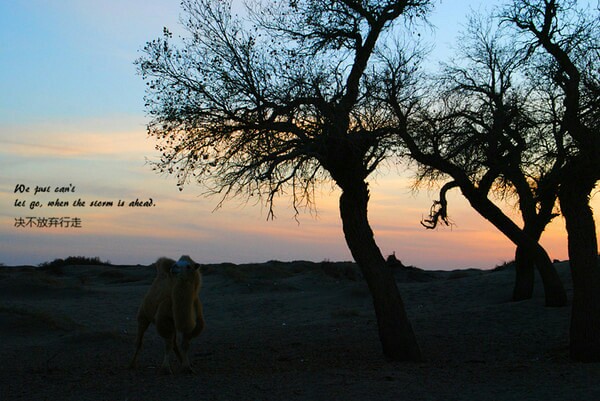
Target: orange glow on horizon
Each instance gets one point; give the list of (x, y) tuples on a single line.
[(238, 231)]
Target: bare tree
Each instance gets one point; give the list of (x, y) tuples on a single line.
[(278, 103), (564, 42), (481, 131)]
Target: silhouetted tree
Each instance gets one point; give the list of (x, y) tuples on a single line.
[(276, 104), (481, 131), (564, 42)]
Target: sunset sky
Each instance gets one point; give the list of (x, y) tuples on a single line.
[(72, 115)]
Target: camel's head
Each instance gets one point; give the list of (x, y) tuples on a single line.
[(184, 265)]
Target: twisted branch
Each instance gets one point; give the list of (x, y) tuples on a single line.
[(439, 210)]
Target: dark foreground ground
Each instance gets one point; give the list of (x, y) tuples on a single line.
[(285, 331)]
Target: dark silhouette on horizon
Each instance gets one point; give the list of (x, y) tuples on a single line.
[(305, 93), (280, 108)]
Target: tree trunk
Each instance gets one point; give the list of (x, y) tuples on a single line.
[(395, 331), (583, 256), (554, 290), (524, 275)]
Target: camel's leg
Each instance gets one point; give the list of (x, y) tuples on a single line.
[(166, 329), (176, 349), (166, 365), (143, 324), (187, 337), (185, 347)]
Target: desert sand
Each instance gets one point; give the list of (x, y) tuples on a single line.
[(286, 331)]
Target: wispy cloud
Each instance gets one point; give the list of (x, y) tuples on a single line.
[(67, 122), (79, 138)]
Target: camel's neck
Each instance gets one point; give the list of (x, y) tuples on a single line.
[(185, 290), (183, 304)]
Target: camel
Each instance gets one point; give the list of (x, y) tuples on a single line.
[(172, 304)]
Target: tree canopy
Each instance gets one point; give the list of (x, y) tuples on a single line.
[(277, 103), (297, 93), (246, 106)]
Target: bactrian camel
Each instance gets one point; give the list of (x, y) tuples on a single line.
[(173, 305)]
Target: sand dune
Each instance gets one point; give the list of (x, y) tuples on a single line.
[(285, 331)]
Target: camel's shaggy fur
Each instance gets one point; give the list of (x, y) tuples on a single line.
[(172, 304)]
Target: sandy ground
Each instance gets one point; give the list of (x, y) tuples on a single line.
[(285, 331)]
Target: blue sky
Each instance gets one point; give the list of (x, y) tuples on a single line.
[(71, 112), (69, 59)]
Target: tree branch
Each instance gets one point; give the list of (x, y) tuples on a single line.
[(439, 209)]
